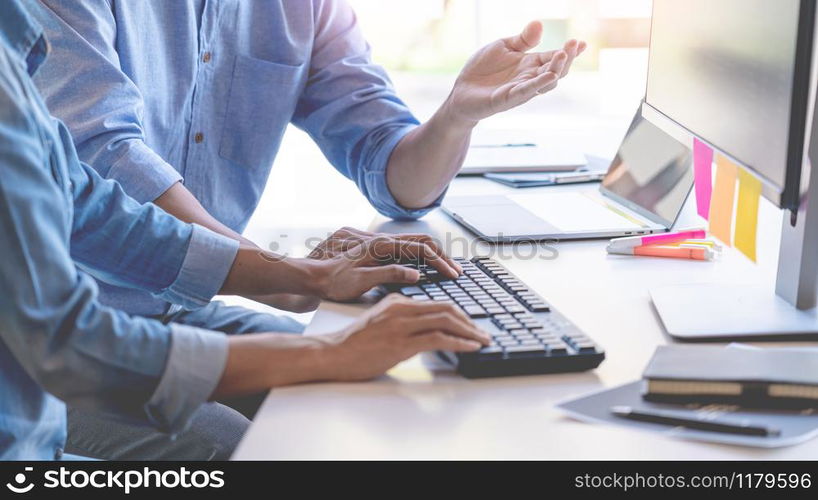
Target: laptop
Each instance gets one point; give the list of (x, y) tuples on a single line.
[(643, 192)]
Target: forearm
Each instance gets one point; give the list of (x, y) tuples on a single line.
[(428, 158), (259, 362), (257, 273), (181, 203)]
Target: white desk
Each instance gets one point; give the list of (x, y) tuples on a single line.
[(418, 412)]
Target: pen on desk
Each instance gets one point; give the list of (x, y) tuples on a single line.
[(657, 239), (699, 423), (667, 252)]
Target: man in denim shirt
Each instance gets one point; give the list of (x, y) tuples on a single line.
[(63, 224), (185, 104)]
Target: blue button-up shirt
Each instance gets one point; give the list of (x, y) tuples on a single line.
[(202, 90), (60, 224)]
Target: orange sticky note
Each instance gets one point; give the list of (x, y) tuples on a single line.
[(749, 192), (724, 194)]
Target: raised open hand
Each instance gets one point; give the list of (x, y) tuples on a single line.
[(503, 74)]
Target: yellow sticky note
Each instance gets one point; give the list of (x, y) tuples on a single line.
[(724, 194), (749, 192)]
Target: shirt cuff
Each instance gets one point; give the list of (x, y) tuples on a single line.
[(208, 260), (143, 174), (195, 365), (379, 194)]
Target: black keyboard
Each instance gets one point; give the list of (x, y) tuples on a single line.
[(528, 335)]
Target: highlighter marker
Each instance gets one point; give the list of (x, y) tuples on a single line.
[(657, 239), (667, 252)]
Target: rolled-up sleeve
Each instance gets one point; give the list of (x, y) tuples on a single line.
[(195, 365), (207, 262), (349, 107), (155, 252), (85, 86), (142, 173)]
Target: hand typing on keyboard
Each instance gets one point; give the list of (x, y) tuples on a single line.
[(396, 329), (528, 336), (352, 262)]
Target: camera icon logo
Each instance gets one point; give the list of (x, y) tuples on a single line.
[(20, 480)]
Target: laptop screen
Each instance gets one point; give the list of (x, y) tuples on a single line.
[(651, 174)]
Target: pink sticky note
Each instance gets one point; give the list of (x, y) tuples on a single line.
[(703, 174)]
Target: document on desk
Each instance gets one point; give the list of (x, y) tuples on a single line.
[(522, 157), (796, 427)]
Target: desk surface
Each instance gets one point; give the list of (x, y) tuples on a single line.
[(422, 410)]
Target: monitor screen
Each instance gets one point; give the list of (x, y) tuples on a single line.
[(651, 173), (726, 70)]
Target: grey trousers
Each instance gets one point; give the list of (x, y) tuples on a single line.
[(215, 429)]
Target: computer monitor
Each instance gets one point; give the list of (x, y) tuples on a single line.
[(740, 75), (735, 73)]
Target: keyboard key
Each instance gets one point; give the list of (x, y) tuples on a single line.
[(518, 331), (514, 309), (511, 323), (420, 298), (528, 349), (495, 311), (538, 307), (557, 349), (491, 352), (585, 347), (475, 311), (503, 316), (412, 290)]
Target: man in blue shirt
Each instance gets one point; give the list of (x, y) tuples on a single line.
[(185, 103), (63, 224)]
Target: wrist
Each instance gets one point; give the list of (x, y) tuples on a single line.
[(452, 120), (317, 277), (325, 356)]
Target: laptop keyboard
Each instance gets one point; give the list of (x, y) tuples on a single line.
[(528, 335)]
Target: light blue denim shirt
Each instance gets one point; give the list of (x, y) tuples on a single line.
[(60, 224), (202, 90)]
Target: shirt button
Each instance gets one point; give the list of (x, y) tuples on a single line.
[(58, 453), (198, 138), (206, 57)]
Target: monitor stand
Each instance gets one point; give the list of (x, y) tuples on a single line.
[(712, 312), (699, 312)]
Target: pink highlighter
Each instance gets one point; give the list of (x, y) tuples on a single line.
[(655, 239)]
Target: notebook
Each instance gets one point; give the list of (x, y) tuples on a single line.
[(752, 378)]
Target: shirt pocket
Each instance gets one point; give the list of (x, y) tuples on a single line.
[(263, 96)]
